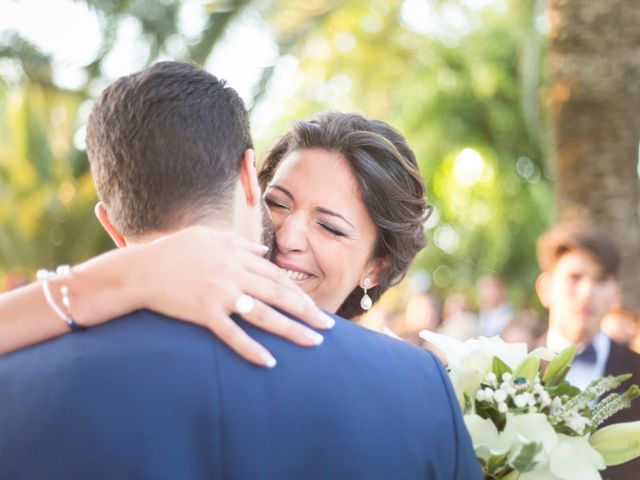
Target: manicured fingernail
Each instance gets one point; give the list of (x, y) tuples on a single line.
[(268, 360), (262, 248), (308, 299), (314, 337), (326, 320)]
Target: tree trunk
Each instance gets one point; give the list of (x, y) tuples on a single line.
[(595, 70)]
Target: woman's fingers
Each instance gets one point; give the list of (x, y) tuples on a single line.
[(235, 337), (266, 318), (267, 283)]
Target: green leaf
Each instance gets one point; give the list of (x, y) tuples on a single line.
[(528, 368), (563, 388), (525, 460), (559, 366), (498, 367)]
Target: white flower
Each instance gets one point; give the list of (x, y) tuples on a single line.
[(556, 404), (502, 407), (490, 377), (585, 460), (520, 400), (572, 458), (530, 428), (470, 361), (506, 377), (499, 396), (543, 353), (487, 441), (480, 395)]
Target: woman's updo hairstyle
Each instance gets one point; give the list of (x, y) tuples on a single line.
[(391, 187)]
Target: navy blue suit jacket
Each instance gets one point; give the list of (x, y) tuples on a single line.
[(624, 360), (152, 398)]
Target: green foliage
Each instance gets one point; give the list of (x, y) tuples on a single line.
[(528, 369), (499, 368), (559, 366), (458, 95), (525, 460)]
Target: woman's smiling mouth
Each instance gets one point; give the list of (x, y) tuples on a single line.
[(293, 272)]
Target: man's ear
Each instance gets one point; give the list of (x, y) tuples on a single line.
[(105, 221), (249, 178), (373, 270), (543, 288)]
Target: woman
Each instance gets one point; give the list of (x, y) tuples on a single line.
[(348, 207)]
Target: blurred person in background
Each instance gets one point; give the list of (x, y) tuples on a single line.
[(458, 320), (527, 327), (579, 285), (622, 325), (495, 311), (378, 319), (422, 312)]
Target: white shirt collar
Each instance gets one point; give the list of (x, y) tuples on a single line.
[(581, 373)]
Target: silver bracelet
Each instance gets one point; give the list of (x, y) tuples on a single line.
[(46, 276)]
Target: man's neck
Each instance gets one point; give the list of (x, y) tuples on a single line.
[(557, 341), (157, 234)]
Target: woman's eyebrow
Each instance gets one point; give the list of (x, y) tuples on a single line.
[(326, 211), (283, 190), (335, 214)]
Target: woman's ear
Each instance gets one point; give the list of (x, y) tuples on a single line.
[(249, 178), (372, 271), (105, 221)]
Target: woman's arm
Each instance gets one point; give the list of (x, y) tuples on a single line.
[(195, 275)]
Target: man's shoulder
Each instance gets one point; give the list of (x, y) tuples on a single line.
[(377, 344), (621, 356), (351, 347), (623, 360), (139, 335)]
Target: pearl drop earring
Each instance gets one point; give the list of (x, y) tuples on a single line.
[(366, 303)]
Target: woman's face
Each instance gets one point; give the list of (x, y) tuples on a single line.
[(324, 236)]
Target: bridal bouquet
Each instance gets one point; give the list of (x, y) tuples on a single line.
[(528, 423)]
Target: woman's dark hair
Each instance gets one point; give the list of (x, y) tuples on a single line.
[(391, 187)]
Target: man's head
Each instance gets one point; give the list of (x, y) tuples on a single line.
[(169, 147), (578, 283)]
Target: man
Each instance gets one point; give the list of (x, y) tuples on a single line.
[(579, 285), (148, 397)]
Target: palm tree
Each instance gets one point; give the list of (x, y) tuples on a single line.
[(595, 68)]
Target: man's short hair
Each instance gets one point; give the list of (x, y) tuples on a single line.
[(165, 147), (566, 238)]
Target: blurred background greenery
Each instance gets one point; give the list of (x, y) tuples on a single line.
[(467, 81)]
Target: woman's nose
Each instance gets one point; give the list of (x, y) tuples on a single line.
[(291, 234)]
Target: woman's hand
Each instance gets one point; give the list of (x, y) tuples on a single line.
[(197, 275)]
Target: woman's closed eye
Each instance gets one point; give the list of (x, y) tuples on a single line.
[(271, 203), (332, 230)]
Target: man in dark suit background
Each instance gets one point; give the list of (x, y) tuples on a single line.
[(579, 285), (149, 397)]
